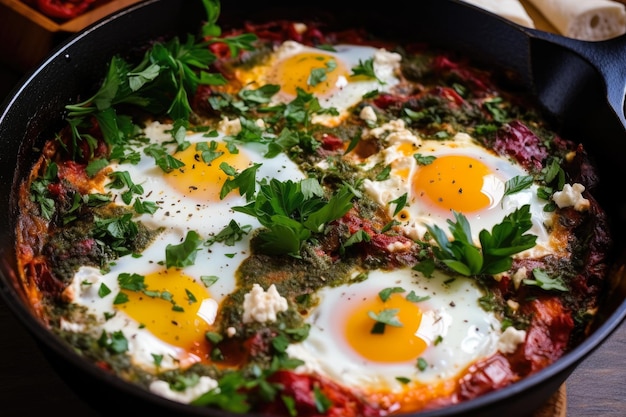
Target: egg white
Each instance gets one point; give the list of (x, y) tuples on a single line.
[(452, 316), (422, 214), (177, 214), (347, 91)]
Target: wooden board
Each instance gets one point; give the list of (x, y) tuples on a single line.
[(556, 405), (540, 21), (27, 36)]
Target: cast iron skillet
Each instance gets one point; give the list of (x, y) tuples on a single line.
[(580, 85)]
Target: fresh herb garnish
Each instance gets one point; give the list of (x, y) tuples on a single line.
[(208, 151), (517, 184), (494, 106), (422, 364), (114, 342), (103, 290), (424, 159), (121, 180), (244, 181), (494, 255), (162, 82), (162, 157), (546, 282), (293, 212), (414, 298), (39, 191), (208, 280), (183, 254), (384, 173), (366, 68), (230, 234), (357, 237), (384, 294), (385, 317), (318, 75), (116, 233), (400, 203), (322, 402)]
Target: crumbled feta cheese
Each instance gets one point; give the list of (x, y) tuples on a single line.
[(158, 132), (229, 127), (162, 388), (262, 306), (231, 331), (519, 276), (462, 137), (399, 246), (513, 305), (71, 326), (341, 82), (386, 63), (510, 339), (368, 114), (85, 283), (395, 131), (300, 27), (571, 196)]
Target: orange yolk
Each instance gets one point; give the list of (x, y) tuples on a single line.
[(395, 344), (177, 310), (454, 182), (201, 180), (316, 73)]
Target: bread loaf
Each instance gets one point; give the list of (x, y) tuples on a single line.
[(509, 9), (591, 20)]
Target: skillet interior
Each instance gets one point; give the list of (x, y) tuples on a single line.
[(34, 113)]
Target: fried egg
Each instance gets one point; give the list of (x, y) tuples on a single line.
[(439, 177), (179, 305), (327, 74), (440, 330)]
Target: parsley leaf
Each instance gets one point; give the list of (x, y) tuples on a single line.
[(162, 158), (116, 233), (163, 81), (517, 184), (114, 342), (366, 68), (230, 234), (400, 203), (385, 293), (244, 181), (41, 195), (183, 254), (506, 239), (292, 212), (318, 75), (424, 159), (385, 317), (322, 402), (545, 282)]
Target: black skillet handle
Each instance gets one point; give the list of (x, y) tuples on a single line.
[(575, 62), (583, 85), (580, 85)]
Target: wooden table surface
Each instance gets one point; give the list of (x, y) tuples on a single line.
[(29, 386)]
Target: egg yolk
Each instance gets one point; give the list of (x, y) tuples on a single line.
[(315, 73), (394, 343), (455, 182), (174, 308), (202, 180)]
